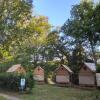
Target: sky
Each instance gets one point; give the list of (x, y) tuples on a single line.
[(58, 11)]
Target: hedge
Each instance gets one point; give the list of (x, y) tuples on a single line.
[(98, 68), (11, 81)]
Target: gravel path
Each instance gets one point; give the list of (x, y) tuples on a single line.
[(9, 97)]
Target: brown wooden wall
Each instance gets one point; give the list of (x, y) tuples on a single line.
[(20, 70), (62, 71), (38, 71), (86, 76)]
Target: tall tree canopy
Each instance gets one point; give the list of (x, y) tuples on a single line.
[(13, 16), (83, 25), (13, 12)]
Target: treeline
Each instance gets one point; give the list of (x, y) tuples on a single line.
[(28, 39), (83, 31)]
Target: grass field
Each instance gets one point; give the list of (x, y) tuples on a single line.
[(2, 98), (48, 92)]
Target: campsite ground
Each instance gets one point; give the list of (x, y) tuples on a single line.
[(48, 92), (2, 98)]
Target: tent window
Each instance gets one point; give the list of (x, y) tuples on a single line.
[(85, 68), (38, 69), (62, 68)]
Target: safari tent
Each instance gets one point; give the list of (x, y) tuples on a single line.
[(87, 74), (39, 74), (16, 69), (98, 79), (63, 74)]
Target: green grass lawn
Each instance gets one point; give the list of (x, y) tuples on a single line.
[(2, 98), (48, 92)]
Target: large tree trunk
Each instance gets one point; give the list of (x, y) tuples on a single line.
[(95, 60), (93, 53)]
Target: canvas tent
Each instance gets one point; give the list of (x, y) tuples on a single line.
[(16, 69), (39, 74), (87, 74), (98, 79), (63, 74)]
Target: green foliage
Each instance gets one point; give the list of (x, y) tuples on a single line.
[(12, 13), (5, 55), (31, 45), (24, 59), (75, 62), (5, 65), (78, 57), (28, 36), (11, 81), (98, 68), (83, 25), (96, 19), (30, 81), (49, 68), (14, 17)]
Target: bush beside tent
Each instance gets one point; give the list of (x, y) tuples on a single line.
[(11, 81)]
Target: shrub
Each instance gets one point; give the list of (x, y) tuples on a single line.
[(11, 81), (5, 65), (30, 81), (98, 68)]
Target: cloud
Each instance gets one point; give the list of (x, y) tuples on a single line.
[(96, 1)]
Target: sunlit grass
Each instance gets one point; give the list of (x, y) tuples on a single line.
[(47, 92)]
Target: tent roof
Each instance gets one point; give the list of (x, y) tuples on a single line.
[(91, 66), (67, 68), (14, 68), (38, 67)]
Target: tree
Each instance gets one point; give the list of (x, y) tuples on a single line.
[(96, 17), (34, 41), (76, 60), (12, 14), (81, 25)]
